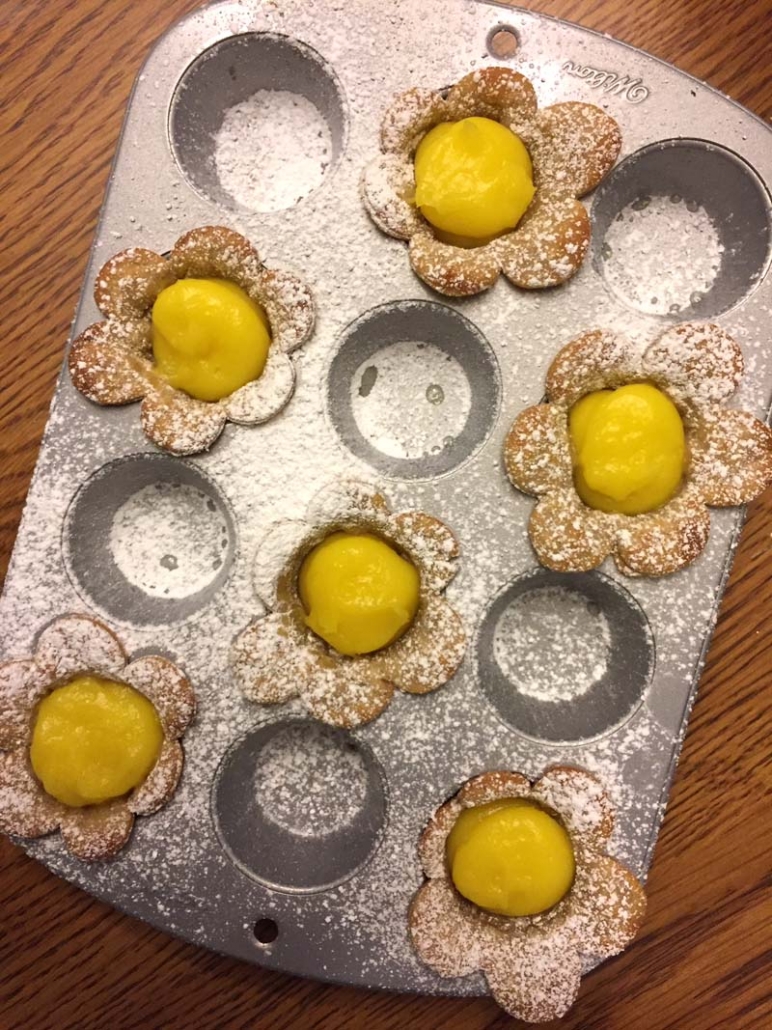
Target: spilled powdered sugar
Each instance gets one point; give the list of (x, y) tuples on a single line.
[(552, 644), (662, 254), (261, 138), (308, 783), (410, 400), (169, 540)]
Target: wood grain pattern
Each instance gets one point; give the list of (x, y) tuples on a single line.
[(67, 961)]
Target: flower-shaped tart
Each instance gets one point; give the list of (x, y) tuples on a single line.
[(70, 648), (532, 964), (278, 657), (729, 452), (111, 362), (571, 145)]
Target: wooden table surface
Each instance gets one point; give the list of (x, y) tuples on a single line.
[(67, 961)]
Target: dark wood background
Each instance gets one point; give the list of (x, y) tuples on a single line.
[(66, 961)]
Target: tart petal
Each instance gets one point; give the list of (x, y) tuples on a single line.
[(347, 501), (215, 251), (274, 571), (731, 457), (567, 536), (269, 660), (129, 283), (161, 781), (104, 370), (26, 809), (169, 690), (431, 845), (490, 786), (408, 117), (608, 908), (593, 361), (537, 450), (388, 189), (22, 684), (663, 541), (699, 360), (442, 933), (289, 304), (549, 244), (180, 424), (428, 655), (533, 979), (79, 643), (454, 271), (580, 800), (498, 93), (97, 831), (264, 397), (430, 544), (339, 696), (573, 146)]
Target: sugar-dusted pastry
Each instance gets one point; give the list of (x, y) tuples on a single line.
[(630, 449), (480, 181), (89, 739), (201, 336), (519, 887), (356, 610)]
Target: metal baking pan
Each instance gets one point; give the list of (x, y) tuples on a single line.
[(282, 828)]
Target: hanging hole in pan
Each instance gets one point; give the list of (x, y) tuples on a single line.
[(265, 931), (502, 42)]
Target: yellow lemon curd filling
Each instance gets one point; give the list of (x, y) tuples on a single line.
[(629, 449), (473, 180), (94, 740), (358, 594), (209, 337), (510, 857)]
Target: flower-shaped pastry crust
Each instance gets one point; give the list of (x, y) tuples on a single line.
[(532, 964), (71, 646), (111, 362), (730, 452), (278, 657), (572, 146)]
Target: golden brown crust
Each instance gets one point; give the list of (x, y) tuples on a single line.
[(72, 645), (111, 362), (529, 450), (453, 271), (572, 147), (559, 149), (128, 284), (278, 657), (566, 535), (549, 245), (532, 964), (104, 373), (730, 452)]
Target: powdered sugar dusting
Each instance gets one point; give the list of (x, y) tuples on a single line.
[(272, 150), (169, 540), (309, 783), (411, 399), (662, 254), (552, 644)]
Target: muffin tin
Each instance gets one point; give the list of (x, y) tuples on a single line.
[(289, 843)]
